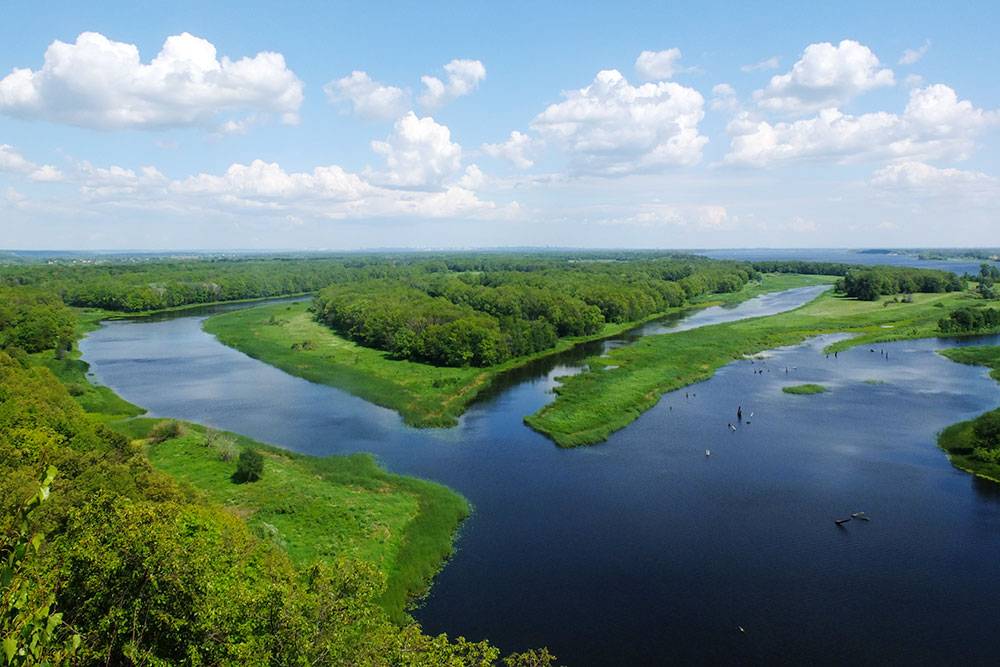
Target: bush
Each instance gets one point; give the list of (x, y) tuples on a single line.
[(249, 467), (166, 430), (226, 448)]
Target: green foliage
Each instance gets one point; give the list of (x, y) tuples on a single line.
[(30, 630), (970, 320), (249, 467), (868, 284), (166, 430), (488, 317), (34, 320)]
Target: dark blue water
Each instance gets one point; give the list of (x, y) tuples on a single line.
[(847, 256), (643, 550)]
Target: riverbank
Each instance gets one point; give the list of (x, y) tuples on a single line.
[(621, 385), (959, 440), (313, 508), (286, 336)]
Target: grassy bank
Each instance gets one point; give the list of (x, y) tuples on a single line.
[(805, 389), (287, 336), (315, 508), (325, 508), (959, 440), (630, 380)]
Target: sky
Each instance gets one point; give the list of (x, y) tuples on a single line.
[(330, 126)]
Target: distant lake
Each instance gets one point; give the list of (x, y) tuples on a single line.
[(643, 550), (846, 256)]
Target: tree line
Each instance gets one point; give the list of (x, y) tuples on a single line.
[(970, 320), (868, 284), (479, 317)]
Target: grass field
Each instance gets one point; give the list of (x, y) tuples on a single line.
[(628, 381), (325, 508), (805, 389), (424, 395), (958, 440)]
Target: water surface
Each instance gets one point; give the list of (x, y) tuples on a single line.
[(643, 550)]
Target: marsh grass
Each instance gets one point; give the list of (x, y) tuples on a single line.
[(592, 405), (805, 389)]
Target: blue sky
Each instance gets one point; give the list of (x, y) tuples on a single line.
[(328, 126)]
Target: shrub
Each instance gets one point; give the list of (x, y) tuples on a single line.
[(249, 467), (226, 448), (165, 430)]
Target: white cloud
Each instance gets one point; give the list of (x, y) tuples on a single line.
[(13, 162), (418, 153), (934, 125), (99, 83), (774, 62), (473, 179), (918, 178), (266, 190), (657, 65), (913, 80), (368, 98), (611, 127), (514, 150), (463, 77), (910, 56), (825, 76), (702, 216), (724, 98)]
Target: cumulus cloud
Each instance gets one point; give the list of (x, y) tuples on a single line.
[(657, 65), (910, 56), (934, 125), (99, 83), (825, 76), (774, 62), (13, 162), (612, 127), (913, 177), (462, 77), (418, 153), (514, 150), (368, 98), (267, 190)]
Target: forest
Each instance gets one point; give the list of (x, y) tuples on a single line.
[(481, 317), (869, 283), (105, 560)]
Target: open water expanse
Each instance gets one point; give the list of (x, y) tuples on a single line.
[(643, 550)]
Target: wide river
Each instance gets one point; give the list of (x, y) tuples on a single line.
[(643, 550)]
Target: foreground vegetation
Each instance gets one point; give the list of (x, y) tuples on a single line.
[(974, 445), (146, 552), (628, 381), (287, 336)]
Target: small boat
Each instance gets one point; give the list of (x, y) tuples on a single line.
[(841, 522), (708, 452), (740, 628), (860, 516)]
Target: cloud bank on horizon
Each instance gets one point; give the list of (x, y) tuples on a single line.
[(838, 148)]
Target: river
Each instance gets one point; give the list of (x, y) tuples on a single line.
[(643, 550)]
